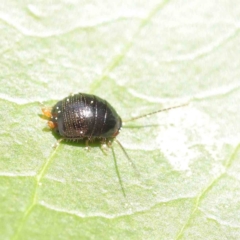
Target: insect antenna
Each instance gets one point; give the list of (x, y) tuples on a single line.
[(151, 113)]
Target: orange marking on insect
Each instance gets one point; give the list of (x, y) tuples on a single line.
[(47, 112), (52, 124)]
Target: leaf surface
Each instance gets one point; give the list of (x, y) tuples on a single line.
[(140, 56)]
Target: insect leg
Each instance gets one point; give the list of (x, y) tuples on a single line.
[(104, 146), (58, 142), (129, 159), (87, 145), (118, 173)]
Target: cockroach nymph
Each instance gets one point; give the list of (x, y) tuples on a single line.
[(87, 117), (84, 116)]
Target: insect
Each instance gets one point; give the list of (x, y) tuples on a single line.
[(85, 116)]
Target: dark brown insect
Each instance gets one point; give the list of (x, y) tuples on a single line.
[(86, 116)]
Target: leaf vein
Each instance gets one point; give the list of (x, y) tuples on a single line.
[(205, 190)]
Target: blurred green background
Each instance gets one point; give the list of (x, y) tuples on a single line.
[(141, 56)]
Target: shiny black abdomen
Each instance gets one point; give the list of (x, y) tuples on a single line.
[(86, 116)]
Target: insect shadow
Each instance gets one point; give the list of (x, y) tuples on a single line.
[(85, 117)]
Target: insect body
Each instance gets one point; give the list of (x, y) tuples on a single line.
[(84, 116)]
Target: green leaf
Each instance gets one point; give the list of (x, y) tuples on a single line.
[(140, 56)]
